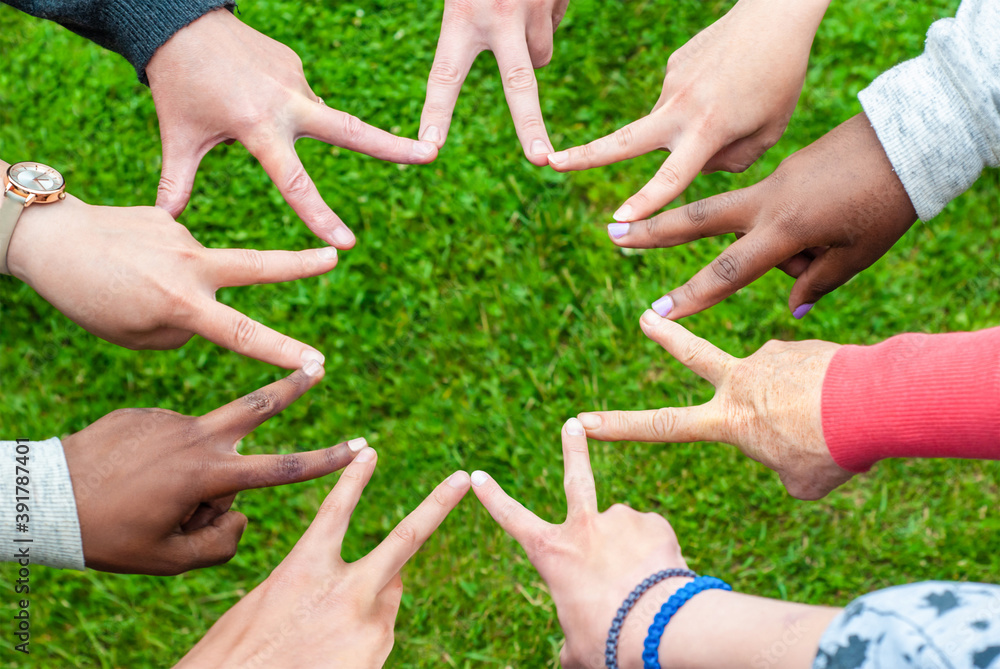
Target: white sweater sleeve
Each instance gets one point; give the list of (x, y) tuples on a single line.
[(938, 115), (46, 529)]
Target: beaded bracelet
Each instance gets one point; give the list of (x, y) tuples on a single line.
[(611, 647), (651, 651)]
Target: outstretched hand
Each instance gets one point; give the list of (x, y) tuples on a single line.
[(769, 405), (219, 80), (154, 488)]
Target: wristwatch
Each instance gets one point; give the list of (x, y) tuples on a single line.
[(25, 184)]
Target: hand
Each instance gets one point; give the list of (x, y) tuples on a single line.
[(593, 560), (219, 80), (769, 405), (315, 610), (727, 97), (519, 33), (828, 212), (154, 488), (133, 276)]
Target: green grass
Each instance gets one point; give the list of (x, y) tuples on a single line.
[(482, 306)]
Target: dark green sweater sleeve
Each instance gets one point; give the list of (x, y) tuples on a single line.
[(133, 28)]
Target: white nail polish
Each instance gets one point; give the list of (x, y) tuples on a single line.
[(479, 478), (574, 427), (357, 444)]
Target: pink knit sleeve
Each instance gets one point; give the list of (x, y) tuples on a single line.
[(914, 396)]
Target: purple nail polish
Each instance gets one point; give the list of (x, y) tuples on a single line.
[(663, 305), (617, 230), (802, 310)]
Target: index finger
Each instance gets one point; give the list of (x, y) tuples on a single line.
[(347, 131), (510, 514), (411, 533), (241, 417), (716, 215), (635, 139), (246, 472), (521, 90), (578, 477), (674, 175), (699, 355), (453, 59)]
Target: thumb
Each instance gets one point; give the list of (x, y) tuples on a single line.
[(822, 276), (180, 164)]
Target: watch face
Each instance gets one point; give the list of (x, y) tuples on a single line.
[(35, 178)]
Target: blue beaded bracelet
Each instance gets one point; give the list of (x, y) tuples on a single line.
[(611, 647), (651, 651)]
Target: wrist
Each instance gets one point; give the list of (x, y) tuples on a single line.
[(639, 619), (40, 227)]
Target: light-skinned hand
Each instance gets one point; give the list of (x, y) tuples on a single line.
[(220, 80), (728, 95), (316, 610), (154, 488), (137, 278), (519, 33), (768, 405)]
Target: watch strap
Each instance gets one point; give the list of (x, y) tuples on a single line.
[(11, 206)]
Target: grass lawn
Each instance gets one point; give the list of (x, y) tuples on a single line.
[(482, 306)]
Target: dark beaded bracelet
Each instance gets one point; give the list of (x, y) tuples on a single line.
[(611, 646)]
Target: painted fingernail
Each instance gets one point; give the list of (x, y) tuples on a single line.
[(357, 444), (802, 310), (458, 480), (591, 421), (617, 230), (312, 368), (623, 214), (342, 235), (431, 134), (328, 253), (650, 317), (366, 455), (663, 305), (312, 356), (479, 478), (559, 157), (424, 149)]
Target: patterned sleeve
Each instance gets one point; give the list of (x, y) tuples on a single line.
[(931, 625)]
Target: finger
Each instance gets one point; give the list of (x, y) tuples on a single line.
[(340, 129), (510, 514), (578, 478), (739, 155), (674, 175), (180, 165), (635, 139), (539, 39), (669, 425), (282, 164), (226, 327), (699, 355), (718, 215), (326, 532), (411, 533), (521, 90), (745, 261), (211, 545), (241, 417), (245, 267), (245, 472), (824, 275), (452, 60)]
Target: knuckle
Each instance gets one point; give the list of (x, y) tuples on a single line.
[(623, 137), (288, 468), (445, 73), (507, 511), (352, 127), (297, 184), (726, 269), (697, 213), (244, 333), (662, 422), (441, 498), (520, 79), (261, 402), (667, 176), (252, 260), (404, 534)]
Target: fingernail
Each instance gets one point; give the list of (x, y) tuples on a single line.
[(479, 478), (366, 455), (538, 146), (617, 230), (650, 317), (559, 157), (458, 480), (312, 356), (663, 305), (342, 235), (591, 421), (431, 134), (328, 253), (623, 214), (424, 149), (574, 427), (312, 368), (357, 444), (802, 310)]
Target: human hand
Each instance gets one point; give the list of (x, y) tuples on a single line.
[(519, 33), (593, 560), (828, 212), (219, 80), (135, 277), (768, 405), (154, 488), (727, 97), (315, 610)]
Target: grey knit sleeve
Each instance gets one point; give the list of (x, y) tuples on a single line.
[(916, 626), (45, 529), (938, 115), (133, 28)]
